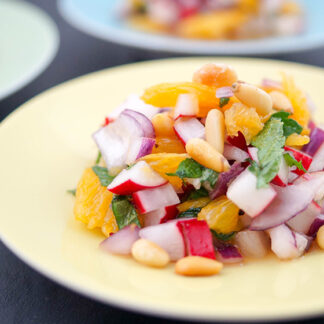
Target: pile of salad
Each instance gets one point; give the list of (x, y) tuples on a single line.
[(208, 172), (216, 19)]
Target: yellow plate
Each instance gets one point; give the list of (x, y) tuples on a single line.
[(46, 144)]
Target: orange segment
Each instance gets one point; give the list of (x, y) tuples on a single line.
[(240, 118), (163, 125), (92, 200), (168, 145), (166, 95), (166, 163), (200, 202), (221, 215), (110, 225)]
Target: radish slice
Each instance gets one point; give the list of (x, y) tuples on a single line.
[(253, 153), (244, 193), (187, 106), (135, 103), (224, 92), (232, 152), (139, 176), (198, 239), (304, 158), (139, 147), (187, 128), (228, 254), (318, 160), (253, 244), (302, 222), (152, 199), (161, 215), (289, 202), (316, 140), (224, 179), (168, 236), (287, 244), (145, 123), (317, 223), (122, 241)]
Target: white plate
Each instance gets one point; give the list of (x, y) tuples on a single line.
[(98, 18), (29, 40)]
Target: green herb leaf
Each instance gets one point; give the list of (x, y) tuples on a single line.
[(103, 175), (124, 211), (210, 176), (223, 237), (269, 143), (72, 192), (223, 101), (290, 126), (189, 213), (188, 168), (291, 161), (195, 194), (98, 158)]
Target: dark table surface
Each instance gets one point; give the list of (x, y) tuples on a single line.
[(26, 296)]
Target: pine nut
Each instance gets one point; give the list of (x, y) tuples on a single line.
[(150, 254), (253, 96), (214, 74), (320, 237), (206, 155), (215, 130), (197, 266), (280, 101)]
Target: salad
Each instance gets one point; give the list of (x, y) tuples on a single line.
[(216, 19), (209, 172)]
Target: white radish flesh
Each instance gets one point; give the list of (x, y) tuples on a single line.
[(186, 106), (234, 153), (187, 128)]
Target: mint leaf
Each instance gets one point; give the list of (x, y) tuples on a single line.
[(223, 237), (98, 158), (223, 101), (124, 211), (72, 192), (189, 213), (290, 126), (202, 192), (210, 176), (103, 175), (188, 168), (270, 142), (291, 161)]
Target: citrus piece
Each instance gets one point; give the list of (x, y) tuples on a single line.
[(221, 215), (168, 145), (92, 200), (163, 125), (110, 225), (197, 203)]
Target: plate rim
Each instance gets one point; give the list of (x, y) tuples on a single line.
[(169, 44), (120, 302)]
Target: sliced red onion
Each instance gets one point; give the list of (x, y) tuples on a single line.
[(145, 123), (238, 141), (134, 102), (318, 160), (302, 222), (234, 153), (224, 92), (289, 202), (229, 254), (316, 140), (187, 128), (122, 241), (224, 180), (317, 223), (165, 109), (139, 147), (255, 244), (187, 106), (268, 83), (152, 199)]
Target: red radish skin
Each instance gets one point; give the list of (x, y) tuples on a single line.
[(316, 140), (289, 202), (168, 236), (198, 238), (187, 128), (138, 177), (253, 153), (122, 241), (302, 222), (305, 159), (152, 199), (161, 215), (244, 193), (318, 222), (238, 141), (187, 106), (228, 254), (234, 153)]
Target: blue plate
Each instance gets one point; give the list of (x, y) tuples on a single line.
[(99, 18)]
